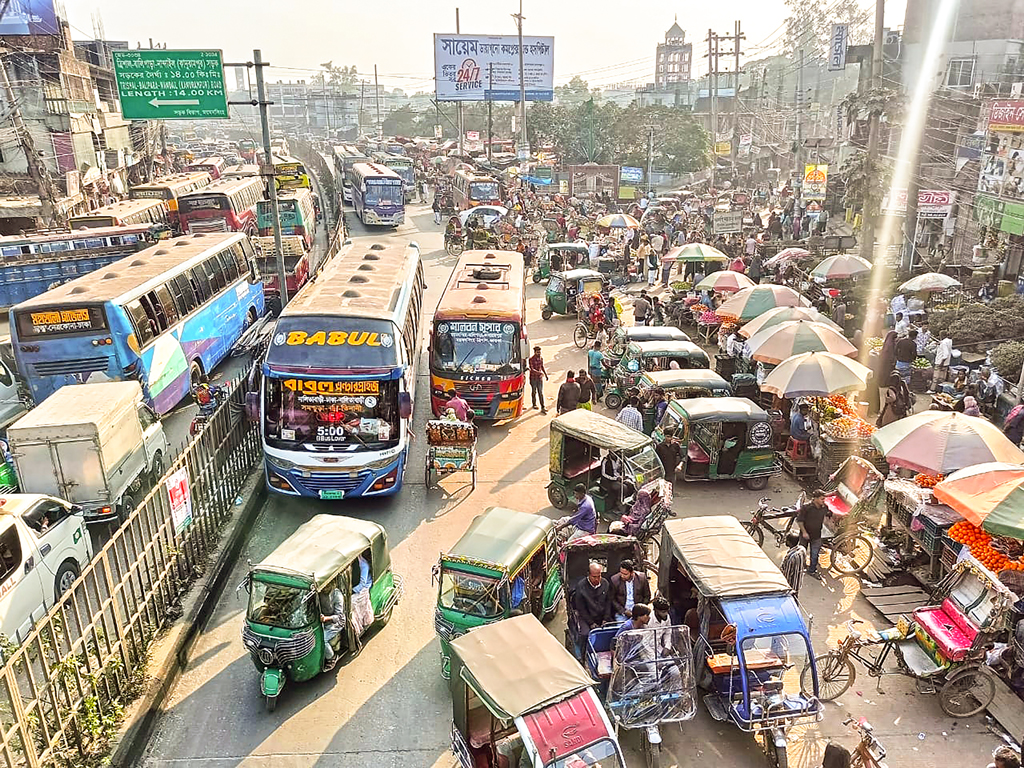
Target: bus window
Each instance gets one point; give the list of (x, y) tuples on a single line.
[(141, 322), (228, 266), (154, 313), (200, 284), (187, 297), (166, 303), (216, 275)]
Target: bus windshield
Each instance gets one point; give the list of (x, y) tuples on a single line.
[(477, 347), (356, 414), (382, 193), (483, 190)]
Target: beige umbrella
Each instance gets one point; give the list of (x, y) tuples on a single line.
[(816, 374), (779, 342), (784, 315), (929, 282), (751, 302), (725, 281)]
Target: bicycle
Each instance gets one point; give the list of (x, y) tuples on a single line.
[(967, 689), (849, 552), (869, 752)]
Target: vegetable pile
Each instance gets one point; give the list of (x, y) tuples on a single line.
[(921, 362), (848, 428), (927, 481), (997, 553)]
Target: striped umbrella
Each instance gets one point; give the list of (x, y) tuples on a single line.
[(940, 442), (725, 281), (816, 374), (784, 315), (752, 302), (841, 266), (618, 221), (990, 495), (778, 342), (787, 254), (694, 252)]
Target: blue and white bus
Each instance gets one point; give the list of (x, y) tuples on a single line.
[(164, 316), (401, 165), (338, 380), (377, 194)]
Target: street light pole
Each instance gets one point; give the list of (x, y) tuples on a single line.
[(261, 94), (524, 145)]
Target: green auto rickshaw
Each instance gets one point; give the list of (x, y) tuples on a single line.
[(332, 566), (724, 438), (554, 257), (643, 356), (679, 385), (505, 564), (607, 457), (564, 288), (624, 334)]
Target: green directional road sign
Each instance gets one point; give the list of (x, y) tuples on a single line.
[(171, 85)]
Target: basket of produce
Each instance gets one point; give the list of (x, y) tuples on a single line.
[(927, 481), (921, 372), (997, 553)]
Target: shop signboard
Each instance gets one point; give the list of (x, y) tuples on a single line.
[(1006, 115), (728, 222), (931, 203)]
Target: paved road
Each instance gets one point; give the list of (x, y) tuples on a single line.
[(390, 707)]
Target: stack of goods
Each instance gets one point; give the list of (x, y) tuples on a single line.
[(931, 522), (707, 317), (997, 553), (843, 434), (921, 372), (904, 498), (927, 481)]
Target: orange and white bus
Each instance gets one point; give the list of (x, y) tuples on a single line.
[(478, 343), (472, 189), (170, 188), (124, 213)]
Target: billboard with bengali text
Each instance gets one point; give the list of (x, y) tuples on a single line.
[(29, 17), (486, 67)]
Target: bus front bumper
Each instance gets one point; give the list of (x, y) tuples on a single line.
[(372, 217), (335, 483)]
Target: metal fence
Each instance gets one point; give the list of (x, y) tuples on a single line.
[(64, 688)]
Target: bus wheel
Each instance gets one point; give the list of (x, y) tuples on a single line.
[(195, 373)]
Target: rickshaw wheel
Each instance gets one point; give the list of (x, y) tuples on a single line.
[(474, 478), (557, 497), (580, 336), (755, 532), (454, 249), (855, 553), (758, 483), (426, 476), (654, 550), (836, 674), (613, 401), (967, 692), (545, 314), (652, 752)]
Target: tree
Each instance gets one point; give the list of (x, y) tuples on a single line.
[(809, 26), (575, 91), (401, 122)]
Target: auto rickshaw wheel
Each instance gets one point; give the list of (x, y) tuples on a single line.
[(271, 702), (613, 400), (967, 692), (557, 497), (545, 314), (537, 276), (758, 483)]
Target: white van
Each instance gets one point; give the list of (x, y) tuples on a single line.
[(44, 545)]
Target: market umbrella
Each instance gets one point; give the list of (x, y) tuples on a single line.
[(784, 315), (989, 495), (778, 342), (694, 252), (618, 221), (841, 266), (787, 254), (929, 282), (816, 374), (940, 442), (752, 302), (725, 281)]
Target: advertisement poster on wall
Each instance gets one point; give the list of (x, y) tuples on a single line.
[(815, 182), (178, 493), (486, 67)]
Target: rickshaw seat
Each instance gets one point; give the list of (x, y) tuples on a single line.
[(577, 467), (696, 454), (478, 723), (946, 624), (837, 505)]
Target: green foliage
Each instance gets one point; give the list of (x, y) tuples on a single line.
[(975, 323), (1008, 359)]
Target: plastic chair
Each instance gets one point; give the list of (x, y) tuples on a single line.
[(797, 449)]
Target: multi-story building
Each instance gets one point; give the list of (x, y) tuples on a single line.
[(674, 59)]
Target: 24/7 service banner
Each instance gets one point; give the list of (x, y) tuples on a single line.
[(486, 67)]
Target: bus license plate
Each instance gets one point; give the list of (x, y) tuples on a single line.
[(478, 411), (332, 495)]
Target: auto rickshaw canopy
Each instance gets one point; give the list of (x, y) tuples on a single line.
[(668, 348), (572, 275), (500, 537), (325, 545), (516, 666), (594, 429), (580, 248), (720, 558), (685, 377), (718, 408), (627, 333)]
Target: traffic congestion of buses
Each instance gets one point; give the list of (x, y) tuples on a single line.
[(117, 321)]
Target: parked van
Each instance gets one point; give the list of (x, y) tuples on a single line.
[(43, 547)]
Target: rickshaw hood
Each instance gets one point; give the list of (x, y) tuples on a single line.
[(720, 557), (720, 409), (567, 726), (764, 616)]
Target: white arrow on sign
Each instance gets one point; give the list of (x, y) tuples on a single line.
[(174, 102)]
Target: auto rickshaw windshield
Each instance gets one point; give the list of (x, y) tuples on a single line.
[(778, 659), (601, 754), (644, 463), (470, 593), (280, 605)]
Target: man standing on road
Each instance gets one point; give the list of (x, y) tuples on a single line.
[(810, 518), (568, 395), (595, 360), (670, 451), (630, 416), (641, 308), (794, 562), (592, 602), (457, 404), (906, 353), (588, 391), (538, 375)]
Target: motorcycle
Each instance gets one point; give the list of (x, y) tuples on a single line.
[(207, 407)]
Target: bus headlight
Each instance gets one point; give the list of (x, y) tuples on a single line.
[(282, 464)]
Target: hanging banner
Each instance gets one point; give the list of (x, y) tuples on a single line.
[(931, 203), (723, 148), (180, 498), (1006, 116), (486, 67), (815, 182), (837, 47)]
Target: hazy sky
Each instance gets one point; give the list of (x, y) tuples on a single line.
[(597, 39)]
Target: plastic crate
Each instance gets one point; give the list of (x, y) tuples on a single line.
[(938, 518), (950, 552), (930, 542), (902, 515)]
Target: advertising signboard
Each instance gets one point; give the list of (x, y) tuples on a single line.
[(837, 47), (728, 222), (29, 17), (815, 182), (931, 203), (1006, 115), (486, 67)]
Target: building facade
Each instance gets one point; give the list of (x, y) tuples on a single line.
[(674, 59)]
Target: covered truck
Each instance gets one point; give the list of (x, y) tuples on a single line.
[(95, 445)]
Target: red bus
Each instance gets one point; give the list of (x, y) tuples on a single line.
[(212, 165), (228, 205), (169, 189), (471, 189), (478, 344)]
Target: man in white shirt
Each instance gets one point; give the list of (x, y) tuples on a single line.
[(642, 202), (902, 324), (751, 245)]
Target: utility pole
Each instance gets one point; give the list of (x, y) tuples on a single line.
[(736, 38), (376, 91), (524, 144), (490, 111), (800, 119), (867, 246), (261, 94), (37, 169), (650, 159), (713, 93), (461, 118), (362, 97)]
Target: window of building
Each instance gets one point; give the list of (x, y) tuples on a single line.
[(960, 73)]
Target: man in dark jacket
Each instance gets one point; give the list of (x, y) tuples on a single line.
[(568, 394), (628, 588), (593, 604)]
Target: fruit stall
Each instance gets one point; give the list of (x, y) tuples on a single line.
[(919, 520), (842, 433)]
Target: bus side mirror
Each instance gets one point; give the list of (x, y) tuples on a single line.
[(252, 407), (405, 405)]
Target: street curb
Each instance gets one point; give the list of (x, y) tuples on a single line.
[(170, 651)]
